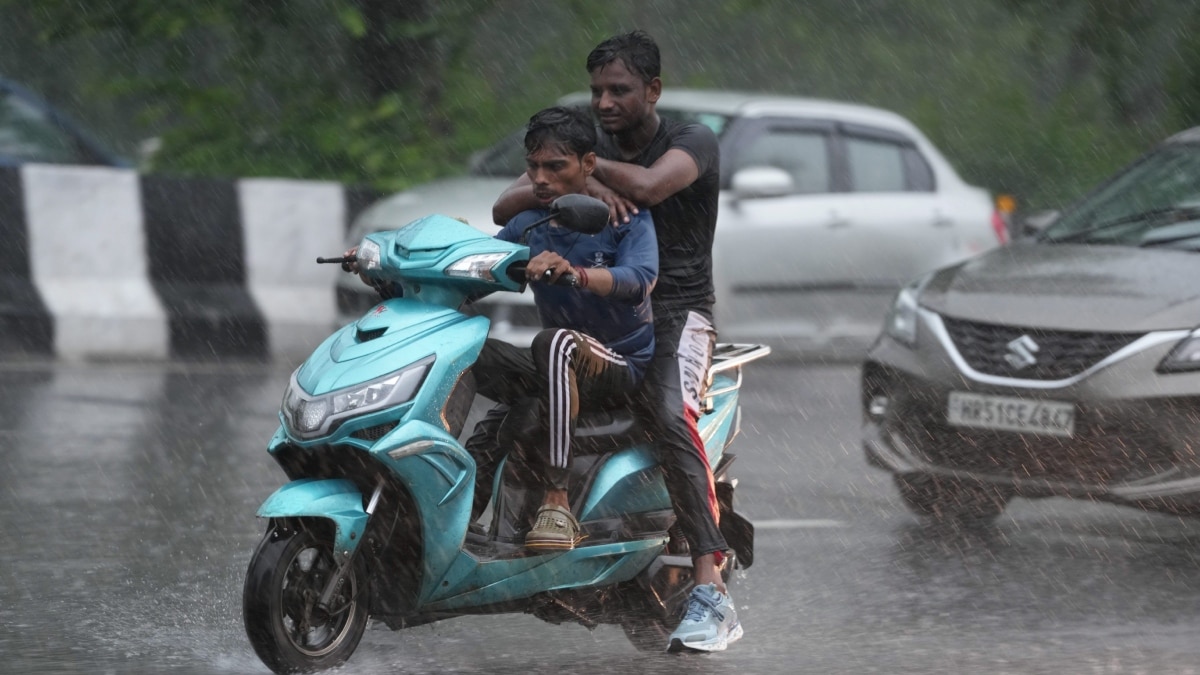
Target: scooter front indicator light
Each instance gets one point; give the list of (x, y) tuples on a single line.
[(410, 449), (477, 266)]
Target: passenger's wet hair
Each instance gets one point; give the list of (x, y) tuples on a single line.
[(563, 127), (637, 50)]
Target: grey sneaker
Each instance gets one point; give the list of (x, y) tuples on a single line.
[(555, 529), (709, 624)]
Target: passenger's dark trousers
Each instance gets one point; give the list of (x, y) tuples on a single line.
[(544, 387), (672, 392)]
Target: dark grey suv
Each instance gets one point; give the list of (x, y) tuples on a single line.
[(1067, 364)]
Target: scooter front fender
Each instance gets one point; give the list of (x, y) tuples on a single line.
[(335, 499)]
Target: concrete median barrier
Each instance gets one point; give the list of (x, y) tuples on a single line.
[(103, 263)]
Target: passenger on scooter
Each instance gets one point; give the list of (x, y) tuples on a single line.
[(672, 169)]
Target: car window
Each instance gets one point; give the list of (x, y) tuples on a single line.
[(505, 159), (713, 121), (875, 165), (802, 153), (27, 134), (1160, 191)]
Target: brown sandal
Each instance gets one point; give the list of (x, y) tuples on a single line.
[(555, 529)]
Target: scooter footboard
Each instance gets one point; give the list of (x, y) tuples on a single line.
[(337, 500)]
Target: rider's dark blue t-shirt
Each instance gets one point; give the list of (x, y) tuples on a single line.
[(622, 320)]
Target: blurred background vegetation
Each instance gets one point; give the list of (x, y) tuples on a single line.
[(1040, 99)]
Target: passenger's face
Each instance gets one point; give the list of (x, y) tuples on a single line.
[(620, 99), (556, 171)]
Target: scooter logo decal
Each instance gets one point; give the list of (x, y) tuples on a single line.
[(380, 310)]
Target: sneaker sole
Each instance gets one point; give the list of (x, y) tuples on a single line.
[(549, 545), (718, 645)]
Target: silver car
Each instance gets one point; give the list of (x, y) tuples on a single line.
[(826, 209), (1065, 365)]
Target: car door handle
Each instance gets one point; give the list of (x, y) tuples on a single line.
[(838, 223), (942, 221)]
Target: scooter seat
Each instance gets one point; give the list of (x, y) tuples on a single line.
[(606, 430)]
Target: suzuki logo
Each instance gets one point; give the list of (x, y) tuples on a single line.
[(1022, 352)]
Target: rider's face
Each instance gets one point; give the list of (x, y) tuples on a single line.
[(620, 99), (556, 171)]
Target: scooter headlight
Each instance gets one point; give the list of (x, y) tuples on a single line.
[(477, 266), (314, 416)]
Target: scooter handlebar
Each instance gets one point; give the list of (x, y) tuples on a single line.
[(339, 259), (564, 279)]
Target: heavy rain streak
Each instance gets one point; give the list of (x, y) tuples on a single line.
[(926, 270)]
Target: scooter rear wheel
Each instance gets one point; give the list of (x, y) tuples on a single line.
[(288, 630)]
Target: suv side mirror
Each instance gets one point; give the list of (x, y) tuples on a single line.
[(761, 181), (1038, 221)]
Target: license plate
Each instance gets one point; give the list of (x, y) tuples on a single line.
[(1007, 413)]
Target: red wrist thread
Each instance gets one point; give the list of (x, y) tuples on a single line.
[(581, 277)]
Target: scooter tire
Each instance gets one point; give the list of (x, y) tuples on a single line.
[(284, 579)]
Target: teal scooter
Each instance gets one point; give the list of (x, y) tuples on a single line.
[(376, 521)]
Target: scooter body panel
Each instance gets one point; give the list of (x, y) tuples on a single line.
[(477, 584), (335, 499)]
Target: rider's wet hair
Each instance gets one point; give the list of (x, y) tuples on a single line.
[(562, 127), (637, 50)]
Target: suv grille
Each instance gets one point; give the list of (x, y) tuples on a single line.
[(1059, 354)]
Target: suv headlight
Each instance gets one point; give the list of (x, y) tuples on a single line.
[(1185, 357), (314, 416), (901, 322)]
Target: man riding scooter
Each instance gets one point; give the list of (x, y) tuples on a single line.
[(593, 298)]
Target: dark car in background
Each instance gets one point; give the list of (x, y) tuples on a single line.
[(32, 131), (1067, 364)]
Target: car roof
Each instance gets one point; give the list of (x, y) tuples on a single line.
[(750, 104)]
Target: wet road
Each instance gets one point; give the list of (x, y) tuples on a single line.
[(127, 499)]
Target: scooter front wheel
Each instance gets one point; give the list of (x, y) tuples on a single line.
[(288, 628)]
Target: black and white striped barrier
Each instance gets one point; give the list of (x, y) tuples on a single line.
[(108, 263)]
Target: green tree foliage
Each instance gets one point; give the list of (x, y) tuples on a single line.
[(1037, 98), (354, 90)]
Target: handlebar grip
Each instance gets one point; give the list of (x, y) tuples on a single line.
[(565, 279), (342, 259), (568, 279)]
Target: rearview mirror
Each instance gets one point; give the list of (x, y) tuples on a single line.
[(761, 181), (1036, 222), (580, 213)]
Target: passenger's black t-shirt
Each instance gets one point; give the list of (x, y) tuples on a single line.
[(685, 221)]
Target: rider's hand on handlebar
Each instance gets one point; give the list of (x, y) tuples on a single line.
[(353, 268), (350, 266), (546, 263)]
